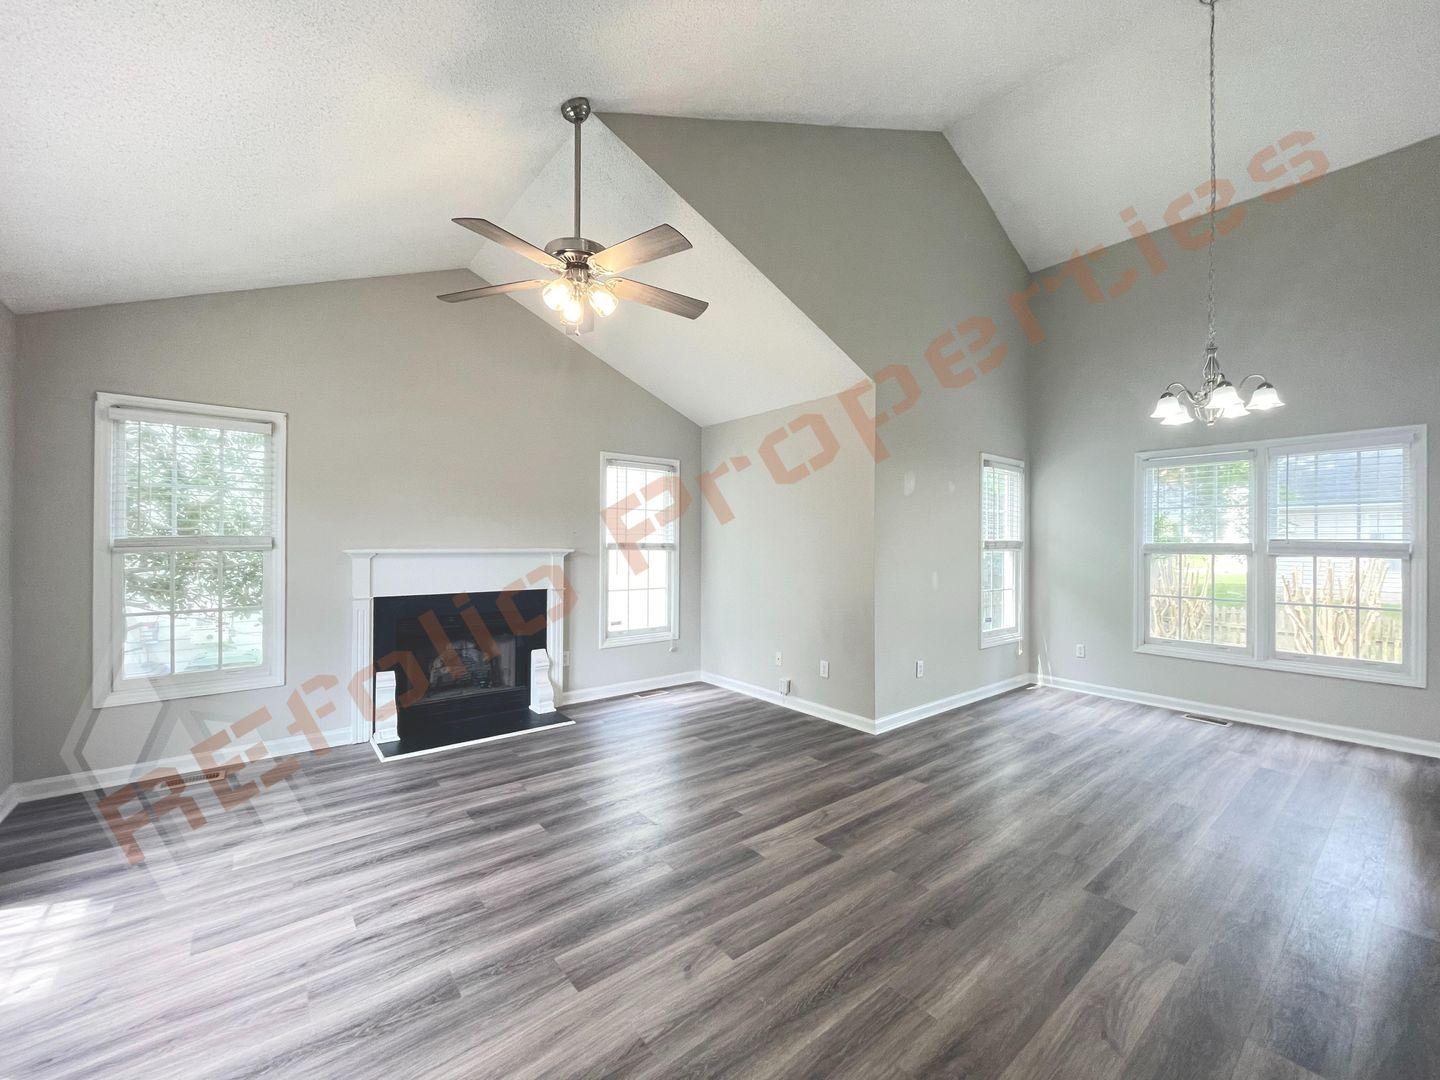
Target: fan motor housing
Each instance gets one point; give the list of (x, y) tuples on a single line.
[(575, 250)]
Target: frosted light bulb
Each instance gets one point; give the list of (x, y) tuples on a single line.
[(603, 301), (556, 293)]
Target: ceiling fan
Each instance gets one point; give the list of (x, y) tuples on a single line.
[(585, 282)]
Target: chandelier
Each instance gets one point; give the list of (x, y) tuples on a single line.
[(1216, 398)]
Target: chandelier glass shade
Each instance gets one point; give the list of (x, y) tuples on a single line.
[(1216, 398)]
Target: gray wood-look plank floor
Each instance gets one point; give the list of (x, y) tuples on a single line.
[(697, 884)]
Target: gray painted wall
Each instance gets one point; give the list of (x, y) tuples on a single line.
[(9, 364), (411, 423), (883, 239), (790, 568), (1335, 294)]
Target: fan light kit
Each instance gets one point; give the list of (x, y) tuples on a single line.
[(1217, 398), (585, 284)]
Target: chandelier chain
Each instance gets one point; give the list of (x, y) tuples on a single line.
[(1210, 247)]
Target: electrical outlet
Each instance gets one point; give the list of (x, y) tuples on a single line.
[(824, 669), (778, 661), (919, 669), (785, 685), (1079, 652)]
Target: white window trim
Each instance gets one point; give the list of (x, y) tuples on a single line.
[(108, 584), (1260, 651), (620, 641), (996, 638)]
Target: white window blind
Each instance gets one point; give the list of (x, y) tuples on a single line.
[(192, 573), (639, 570), (1002, 554)]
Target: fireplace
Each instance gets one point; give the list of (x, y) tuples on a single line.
[(458, 658), (452, 646)]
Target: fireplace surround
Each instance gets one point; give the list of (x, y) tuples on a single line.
[(451, 586)]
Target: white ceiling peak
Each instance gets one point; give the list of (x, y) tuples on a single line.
[(752, 351)]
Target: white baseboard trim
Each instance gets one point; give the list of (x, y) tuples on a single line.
[(636, 686), (955, 701), (1338, 732), (104, 779), (9, 799), (789, 701)]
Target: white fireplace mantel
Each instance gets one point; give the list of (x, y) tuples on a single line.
[(422, 571)]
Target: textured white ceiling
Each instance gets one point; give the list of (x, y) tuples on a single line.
[(160, 147), (750, 352), (1127, 124)]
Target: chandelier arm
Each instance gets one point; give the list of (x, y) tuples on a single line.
[(1241, 384), (1183, 394)]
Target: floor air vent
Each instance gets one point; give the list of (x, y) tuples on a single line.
[(1213, 721), (654, 693)]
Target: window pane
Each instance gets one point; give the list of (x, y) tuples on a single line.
[(659, 608), (147, 646), (1230, 623), (1198, 503), (244, 579), (147, 581), (1295, 580), (197, 580), (1230, 577), (1195, 620), (197, 642), (1164, 575), (244, 639), (1001, 503), (639, 617), (1165, 618), (1009, 610), (617, 613), (1294, 629), (1196, 580), (1335, 632), (1381, 584), (1335, 581), (1362, 494), (1380, 636)]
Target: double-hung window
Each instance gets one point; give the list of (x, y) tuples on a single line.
[(1002, 550), (1303, 554), (640, 549), (189, 549), (1198, 550)]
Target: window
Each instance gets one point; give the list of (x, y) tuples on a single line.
[(1197, 551), (1002, 550), (189, 556), (1296, 554), (640, 545)]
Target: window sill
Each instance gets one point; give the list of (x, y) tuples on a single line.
[(638, 639), (1294, 667), (140, 695), (995, 642)]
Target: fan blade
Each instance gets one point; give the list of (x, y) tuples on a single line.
[(491, 290), (663, 299), (650, 245), (491, 231)]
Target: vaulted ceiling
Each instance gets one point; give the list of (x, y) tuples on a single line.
[(152, 149)]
